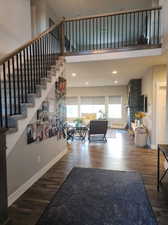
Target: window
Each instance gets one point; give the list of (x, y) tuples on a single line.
[(72, 111), (72, 107), (92, 105), (115, 107), (92, 109)]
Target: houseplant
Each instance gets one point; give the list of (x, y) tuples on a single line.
[(139, 118), (78, 122)]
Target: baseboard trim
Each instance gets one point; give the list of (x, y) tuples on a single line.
[(22, 189)]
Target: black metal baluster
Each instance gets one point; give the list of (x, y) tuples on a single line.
[(34, 66), (90, 46), (100, 32), (138, 28), (158, 40), (50, 50), (130, 24), (122, 24), (107, 31), (134, 29), (70, 36), (93, 36), (103, 33), (10, 94), (74, 46), (48, 56), (18, 84), (84, 33), (1, 117), (97, 36), (44, 56), (118, 31), (21, 77), (79, 35), (14, 85), (154, 26), (150, 28), (115, 31), (33, 90), (25, 75), (146, 24), (41, 58), (142, 25), (126, 21), (28, 71), (111, 33), (39, 75), (5, 96), (72, 41)]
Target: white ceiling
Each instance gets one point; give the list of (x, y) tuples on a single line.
[(99, 73), (75, 8)]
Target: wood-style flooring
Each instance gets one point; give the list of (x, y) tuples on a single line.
[(119, 153)]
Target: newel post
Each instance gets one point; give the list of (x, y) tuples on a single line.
[(3, 180)]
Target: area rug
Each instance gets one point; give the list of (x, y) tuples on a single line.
[(100, 197)]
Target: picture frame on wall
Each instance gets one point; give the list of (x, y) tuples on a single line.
[(31, 133)]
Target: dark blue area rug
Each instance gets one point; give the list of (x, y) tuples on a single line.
[(100, 197)]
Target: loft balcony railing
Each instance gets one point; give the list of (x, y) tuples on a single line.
[(135, 28), (22, 71)]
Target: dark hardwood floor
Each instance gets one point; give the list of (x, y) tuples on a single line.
[(119, 153)]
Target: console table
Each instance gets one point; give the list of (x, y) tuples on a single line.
[(3, 180), (164, 150)]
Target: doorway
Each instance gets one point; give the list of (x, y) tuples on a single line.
[(160, 112)]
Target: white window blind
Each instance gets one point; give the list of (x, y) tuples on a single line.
[(71, 100), (97, 100), (115, 100)]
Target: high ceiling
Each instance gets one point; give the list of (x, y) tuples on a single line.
[(100, 73), (75, 8)]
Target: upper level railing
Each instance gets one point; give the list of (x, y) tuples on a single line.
[(113, 31), (22, 71)]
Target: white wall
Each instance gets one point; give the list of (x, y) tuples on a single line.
[(103, 91), (15, 24), (164, 24), (149, 84), (26, 161), (74, 8), (41, 12)]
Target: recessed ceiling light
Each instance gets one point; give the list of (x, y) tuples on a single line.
[(74, 74), (114, 72), (116, 81), (86, 82)]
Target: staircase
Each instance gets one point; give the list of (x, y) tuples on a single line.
[(17, 123), (26, 77)]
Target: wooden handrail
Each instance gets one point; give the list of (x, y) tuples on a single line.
[(16, 51), (112, 14)]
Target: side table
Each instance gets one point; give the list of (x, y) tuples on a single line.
[(164, 150)]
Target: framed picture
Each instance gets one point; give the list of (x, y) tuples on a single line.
[(31, 133)]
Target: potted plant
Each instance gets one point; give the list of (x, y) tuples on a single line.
[(78, 122), (139, 117)]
